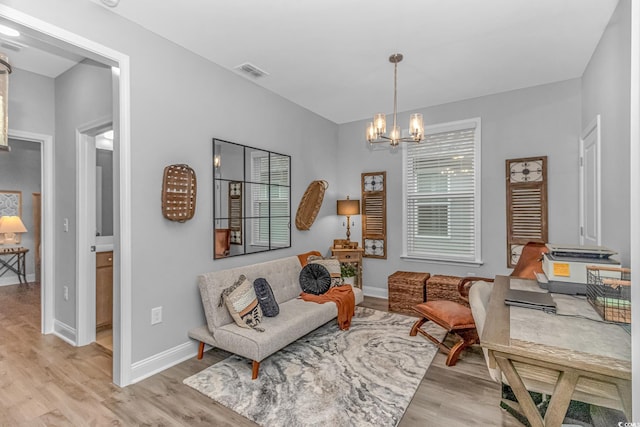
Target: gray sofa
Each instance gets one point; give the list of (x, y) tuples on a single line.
[(296, 318)]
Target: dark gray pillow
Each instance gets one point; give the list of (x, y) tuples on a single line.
[(315, 279), (267, 301)]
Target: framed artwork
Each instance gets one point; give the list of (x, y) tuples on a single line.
[(10, 203), (374, 214)]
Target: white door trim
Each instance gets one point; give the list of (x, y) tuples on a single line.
[(593, 126), (85, 229), (47, 232), (122, 340)]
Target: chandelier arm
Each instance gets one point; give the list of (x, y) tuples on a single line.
[(395, 94)]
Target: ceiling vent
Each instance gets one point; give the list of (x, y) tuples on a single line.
[(251, 70)]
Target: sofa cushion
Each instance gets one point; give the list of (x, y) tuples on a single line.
[(242, 303), (333, 266), (315, 279), (267, 301)]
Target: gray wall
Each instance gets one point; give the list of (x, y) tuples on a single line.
[(31, 102), (179, 102), (606, 88), (20, 171), (83, 95), (536, 121)]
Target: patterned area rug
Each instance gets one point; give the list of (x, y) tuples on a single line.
[(365, 376)]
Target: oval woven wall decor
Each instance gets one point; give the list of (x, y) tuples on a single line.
[(178, 193), (310, 204)]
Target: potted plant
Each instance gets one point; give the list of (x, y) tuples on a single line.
[(348, 272)]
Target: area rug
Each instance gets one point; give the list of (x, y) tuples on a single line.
[(365, 376)]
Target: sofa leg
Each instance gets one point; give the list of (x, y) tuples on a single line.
[(255, 368), (200, 350)]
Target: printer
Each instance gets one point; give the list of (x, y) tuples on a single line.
[(565, 267)]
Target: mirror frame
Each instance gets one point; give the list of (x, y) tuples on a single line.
[(233, 195)]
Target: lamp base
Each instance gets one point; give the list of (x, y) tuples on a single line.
[(9, 238)]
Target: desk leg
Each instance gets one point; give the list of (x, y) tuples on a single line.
[(524, 398), (561, 398)]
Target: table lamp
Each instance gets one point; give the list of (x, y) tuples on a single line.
[(10, 227), (348, 207)]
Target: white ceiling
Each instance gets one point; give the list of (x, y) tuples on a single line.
[(331, 56), (28, 52)]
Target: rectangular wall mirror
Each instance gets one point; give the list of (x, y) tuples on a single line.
[(251, 200)]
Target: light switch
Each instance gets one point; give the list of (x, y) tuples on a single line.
[(65, 225)]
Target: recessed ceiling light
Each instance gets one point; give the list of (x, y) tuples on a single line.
[(7, 31)]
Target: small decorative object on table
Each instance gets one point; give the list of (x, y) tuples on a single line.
[(406, 290), (348, 272), (178, 193)]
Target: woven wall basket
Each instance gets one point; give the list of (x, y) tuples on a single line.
[(178, 193), (310, 204)]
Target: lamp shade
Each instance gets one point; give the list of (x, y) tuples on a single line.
[(348, 207), (12, 224)]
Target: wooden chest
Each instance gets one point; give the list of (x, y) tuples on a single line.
[(444, 288), (407, 289)]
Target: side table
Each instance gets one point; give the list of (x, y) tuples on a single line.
[(351, 256), (406, 290), (13, 260)]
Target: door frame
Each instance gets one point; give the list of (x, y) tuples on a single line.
[(593, 126), (85, 231), (47, 233), (122, 328)]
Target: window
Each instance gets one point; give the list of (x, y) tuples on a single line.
[(442, 194), (270, 200)]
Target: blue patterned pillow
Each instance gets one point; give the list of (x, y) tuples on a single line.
[(267, 301)]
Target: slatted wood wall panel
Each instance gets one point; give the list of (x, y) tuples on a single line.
[(374, 214), (526, 204)]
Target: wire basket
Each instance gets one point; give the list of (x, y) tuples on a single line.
[(609, 292)]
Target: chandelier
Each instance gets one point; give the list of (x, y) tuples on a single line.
[(377, 130)]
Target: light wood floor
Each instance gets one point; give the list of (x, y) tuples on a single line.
[(45, 381)]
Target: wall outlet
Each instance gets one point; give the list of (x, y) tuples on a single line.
[(65, 294), (156, 315)]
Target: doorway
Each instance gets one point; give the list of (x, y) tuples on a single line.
[(65, 40)]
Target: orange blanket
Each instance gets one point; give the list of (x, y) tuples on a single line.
[(343, 297)]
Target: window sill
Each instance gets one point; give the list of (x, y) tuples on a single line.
[(440, 261)]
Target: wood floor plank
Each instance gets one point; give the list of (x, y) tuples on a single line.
[(46, 382)]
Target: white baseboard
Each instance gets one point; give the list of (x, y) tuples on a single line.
[(376, 292), (164, 360), (13, 279), (65, 332)]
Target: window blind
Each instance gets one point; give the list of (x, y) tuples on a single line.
[(270, 222), (442, 195)]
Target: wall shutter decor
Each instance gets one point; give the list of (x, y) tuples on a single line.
[(526, 204), (235, 212), (374, 214)]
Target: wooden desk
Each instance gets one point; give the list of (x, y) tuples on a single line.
[(351, 256), (566, 357), (14, 261)]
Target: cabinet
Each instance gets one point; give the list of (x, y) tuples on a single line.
[(351, 256), (104, 290)]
